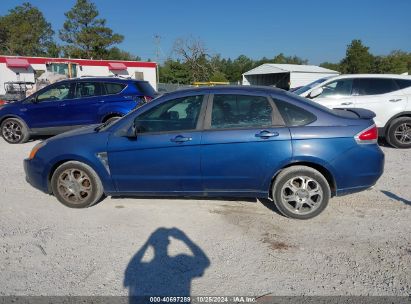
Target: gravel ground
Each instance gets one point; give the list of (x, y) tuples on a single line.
[(360, 245)]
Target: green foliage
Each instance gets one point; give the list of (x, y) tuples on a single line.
[(115, 53), (86, 35), (24, 31), (331, 66), (357, 59), (174, 72)]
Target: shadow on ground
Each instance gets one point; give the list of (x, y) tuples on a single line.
[(396, 197), (164, 275)]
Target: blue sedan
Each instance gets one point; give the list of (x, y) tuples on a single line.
[(220, 141)]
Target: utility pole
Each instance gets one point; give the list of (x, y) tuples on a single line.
[(157, 41)]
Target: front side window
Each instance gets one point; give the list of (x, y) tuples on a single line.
[(375, 86), (240, 111), (338, 88), (88, 89), (403, 83), (294, 116), (56, 93), (173, 115)]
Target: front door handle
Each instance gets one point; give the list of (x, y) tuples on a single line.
[(62, 105), (266, 134), (395, 100), (101, 101), (346, 103), (180, 139)]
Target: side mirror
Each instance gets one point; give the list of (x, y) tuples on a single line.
[(315, 93), (133, 131)]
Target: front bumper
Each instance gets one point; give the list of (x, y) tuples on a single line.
[(34, 175)]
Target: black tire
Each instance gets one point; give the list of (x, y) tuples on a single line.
[(14, 131), (399, 133), (83, 189), (311, 201)]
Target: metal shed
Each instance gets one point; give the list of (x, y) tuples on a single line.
[(285, 76)]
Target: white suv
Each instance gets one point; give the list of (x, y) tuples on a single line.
[(388, 96)]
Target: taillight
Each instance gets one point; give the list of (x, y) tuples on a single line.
[(367, 136), (2, 102)]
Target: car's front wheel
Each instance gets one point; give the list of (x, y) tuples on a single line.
[(14, 131), (76, 185), (300, 192), (399, 133)]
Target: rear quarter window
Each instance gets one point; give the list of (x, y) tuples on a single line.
[(145, 88), (294, 116), (114, 88), (403, 83)]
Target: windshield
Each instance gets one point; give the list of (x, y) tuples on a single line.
[(310, 85)]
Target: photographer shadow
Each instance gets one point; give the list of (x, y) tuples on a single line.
[(164, 275)]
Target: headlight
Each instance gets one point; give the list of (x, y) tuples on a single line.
[(36, 148)]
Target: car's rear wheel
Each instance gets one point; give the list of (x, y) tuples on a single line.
[(14, 131), (300, 192), (399, 133), (76, 185)]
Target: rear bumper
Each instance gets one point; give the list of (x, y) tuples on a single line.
[(359, 169), (34, 175)]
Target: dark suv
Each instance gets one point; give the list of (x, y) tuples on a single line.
[(70, 104)]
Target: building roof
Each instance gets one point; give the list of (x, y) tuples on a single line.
[(276, 68), (83, 62)]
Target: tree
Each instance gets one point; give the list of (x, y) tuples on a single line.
[(86, 35), (193, 54), (358, 59), (397, 62), (174, 72), (24, 31), (115, 53), (331, 66)]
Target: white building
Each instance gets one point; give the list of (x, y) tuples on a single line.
[(285, 76), (29, 68)]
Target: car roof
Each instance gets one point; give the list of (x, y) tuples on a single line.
[(395, 76), (228, 88), (107, 78)]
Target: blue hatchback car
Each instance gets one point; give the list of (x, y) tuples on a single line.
[(72, 103), (221, 141)]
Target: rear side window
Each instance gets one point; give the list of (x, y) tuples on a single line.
[(240, 111), (88, 89), (294, 116), (114, 88), (374, 86), (145, 88), (403, 83)]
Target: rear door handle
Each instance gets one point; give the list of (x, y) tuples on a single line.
[(346, 103), (266, 134), (395, 100), (101, 101), (180, 139), (62, 105)]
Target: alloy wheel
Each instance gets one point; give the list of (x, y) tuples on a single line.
[(74, 185), (302, 195), (12, 131), (403, 133)]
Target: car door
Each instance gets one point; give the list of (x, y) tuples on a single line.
[(337, 94), (244, 142), (83, 108), (380, 95), (165, 155), (46, 109)]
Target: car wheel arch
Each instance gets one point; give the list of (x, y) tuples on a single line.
[(390, 121), (107, 116), (320, 168)]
